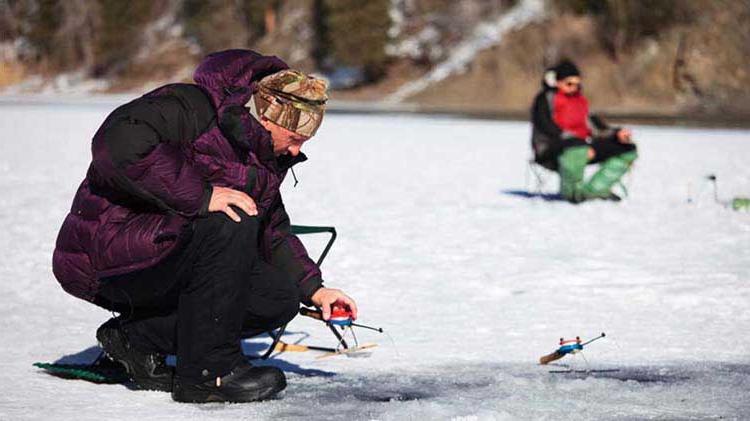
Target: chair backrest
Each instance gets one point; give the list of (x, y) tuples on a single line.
[(309, 229), (545, 150)]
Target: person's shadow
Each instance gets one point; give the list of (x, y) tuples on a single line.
[(547, 197), (252, 348)]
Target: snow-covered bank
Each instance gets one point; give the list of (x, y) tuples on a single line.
[(484, 36), (473, 283)]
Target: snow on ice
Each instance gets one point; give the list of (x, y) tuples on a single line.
[(473, 282)]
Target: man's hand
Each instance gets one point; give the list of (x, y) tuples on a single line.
[(223, 198), (624, 135), (325, 298)]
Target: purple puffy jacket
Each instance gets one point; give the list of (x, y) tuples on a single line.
[(154, 163)]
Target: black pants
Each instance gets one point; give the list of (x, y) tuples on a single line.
[(200, 301), (608, 147), (604, 147)]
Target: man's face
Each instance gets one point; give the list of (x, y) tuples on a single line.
[(285, 142), (569, 85)]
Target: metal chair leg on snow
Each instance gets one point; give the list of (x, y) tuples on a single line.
[(299, 230), (532, 170)]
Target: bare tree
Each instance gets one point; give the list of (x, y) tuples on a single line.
[(76, 31)]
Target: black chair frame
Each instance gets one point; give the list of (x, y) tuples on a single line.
[(302, 230)]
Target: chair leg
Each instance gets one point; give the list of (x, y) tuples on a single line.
[(301, 229), (276, 338), (540, 180)]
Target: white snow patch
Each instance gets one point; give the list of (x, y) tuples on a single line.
[(425, 42), (484, 36), (396, 14)]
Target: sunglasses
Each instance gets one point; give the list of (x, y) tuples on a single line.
[(572, 84)]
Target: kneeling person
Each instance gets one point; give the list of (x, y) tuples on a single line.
[(180, 227)]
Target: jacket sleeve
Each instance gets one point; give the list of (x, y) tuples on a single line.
[(288, 253), (138, 157), (600, 128)]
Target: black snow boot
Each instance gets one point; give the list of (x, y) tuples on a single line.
[(244, 383), (148, 370)]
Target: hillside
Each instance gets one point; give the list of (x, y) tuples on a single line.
[(670, 58)]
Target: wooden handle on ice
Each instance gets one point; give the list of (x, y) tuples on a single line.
[(285, 347), (551, 357)]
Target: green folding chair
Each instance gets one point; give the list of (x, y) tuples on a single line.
[(303, 230)]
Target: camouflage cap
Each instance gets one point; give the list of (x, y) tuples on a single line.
[(292, 100)]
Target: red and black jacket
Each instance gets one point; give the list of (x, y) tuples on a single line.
[(560, 121)]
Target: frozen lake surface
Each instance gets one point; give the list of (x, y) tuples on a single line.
[(472, 280)]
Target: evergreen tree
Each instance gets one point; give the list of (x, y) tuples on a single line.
[(353, 33)]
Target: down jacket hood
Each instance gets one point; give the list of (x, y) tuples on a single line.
[(230, 78)]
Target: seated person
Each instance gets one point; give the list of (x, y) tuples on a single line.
[(566, 138)]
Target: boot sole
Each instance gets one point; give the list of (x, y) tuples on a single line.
[(115, 350), (208, 396)]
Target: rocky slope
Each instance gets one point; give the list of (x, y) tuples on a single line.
[(472, 56), (696, 68)]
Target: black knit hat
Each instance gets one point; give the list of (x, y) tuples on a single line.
[(566, 68)]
